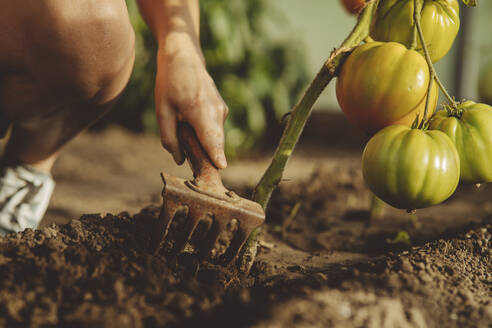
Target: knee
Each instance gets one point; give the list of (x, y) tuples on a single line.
[(104, 49), (91, 50)]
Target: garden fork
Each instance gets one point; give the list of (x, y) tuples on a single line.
[(206, 197)]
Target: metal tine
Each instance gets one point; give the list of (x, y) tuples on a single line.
[(194, 218), (168, 212), (211, 238), (236, 245)]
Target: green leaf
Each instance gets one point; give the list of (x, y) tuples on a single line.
[(470, 3), (401, 238)]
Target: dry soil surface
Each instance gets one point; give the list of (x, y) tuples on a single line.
[(322, 261)]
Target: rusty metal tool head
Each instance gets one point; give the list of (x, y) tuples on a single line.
[(206, 197)]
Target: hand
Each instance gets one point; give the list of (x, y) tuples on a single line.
[(184, 91)]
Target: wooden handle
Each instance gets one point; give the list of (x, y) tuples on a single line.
[(203, 168)]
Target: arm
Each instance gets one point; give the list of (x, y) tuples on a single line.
[(184, 91)]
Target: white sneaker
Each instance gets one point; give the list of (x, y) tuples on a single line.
[(24, 197)]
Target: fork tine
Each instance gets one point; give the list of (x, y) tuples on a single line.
[(237, 243), (210, 239), (168, 211), (194, 217), (158, 232)]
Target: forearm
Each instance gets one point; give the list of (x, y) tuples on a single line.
[(184, 91), (172, 20)]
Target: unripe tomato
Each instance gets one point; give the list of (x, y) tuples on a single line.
[(382, 84), (410, 168), (353, 6), (440, 24), (470, 129)]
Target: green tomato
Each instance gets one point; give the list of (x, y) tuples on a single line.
[(384, 83), (440, 24), (410, 168), (470, 129)]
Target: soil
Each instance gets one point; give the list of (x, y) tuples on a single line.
[(322, 262)]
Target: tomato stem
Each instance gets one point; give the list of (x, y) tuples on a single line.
[(432, 72), (301, 111), (377, 209), (297, 120), (414, 44)]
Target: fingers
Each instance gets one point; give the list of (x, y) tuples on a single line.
[(166, 118), (207, 118), (209, 128), (186, 92)]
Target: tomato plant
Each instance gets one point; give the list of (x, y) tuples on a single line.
[(384, 83), (353, 6), (470, 129), (411, 168), (440, 22)]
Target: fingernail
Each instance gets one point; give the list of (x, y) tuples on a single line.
[(222, 161)]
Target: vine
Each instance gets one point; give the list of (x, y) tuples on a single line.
[(432, 71), (297, 120)]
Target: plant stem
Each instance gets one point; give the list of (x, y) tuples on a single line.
[(432, 71), (297, 120), (301, 111), (415, 42), (417, 7), (377, 208)]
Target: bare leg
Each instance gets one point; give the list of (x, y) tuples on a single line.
[(62, 65)]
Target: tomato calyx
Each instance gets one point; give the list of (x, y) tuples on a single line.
[(456, 111)]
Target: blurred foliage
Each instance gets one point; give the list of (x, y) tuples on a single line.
[(258, 76), (485, 75), (485, 84)]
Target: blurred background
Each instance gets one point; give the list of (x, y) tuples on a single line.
[(263, 53)]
